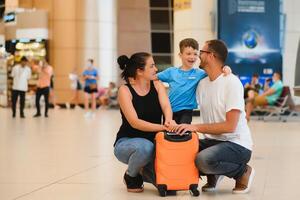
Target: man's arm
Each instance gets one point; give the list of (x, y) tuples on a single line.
[(228, 126), (269, 92)]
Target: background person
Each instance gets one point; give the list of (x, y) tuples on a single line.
[(45, 71), (269, 97), (76, 87), (90, 76), (21, 73), (252, 89), (110, 95)]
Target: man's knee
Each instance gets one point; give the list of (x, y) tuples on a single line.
[(205, 162)]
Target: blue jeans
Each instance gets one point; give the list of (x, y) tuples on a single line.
[(136, 153), (222, 158)]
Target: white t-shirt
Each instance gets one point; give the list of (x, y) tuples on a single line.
[(74, 79), (218, 97), (20, 75)]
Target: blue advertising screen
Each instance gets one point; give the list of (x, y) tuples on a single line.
[(251, 30)]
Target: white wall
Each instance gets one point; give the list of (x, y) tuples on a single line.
[(107, 13), (195, 23), (292, 36)]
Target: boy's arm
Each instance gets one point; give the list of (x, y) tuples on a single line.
[(164, 76), (227, 70)]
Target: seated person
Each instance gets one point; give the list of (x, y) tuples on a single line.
[(269, 97), (252, 88), (267, 84), (110, 95)]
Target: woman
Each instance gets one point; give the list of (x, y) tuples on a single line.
[(76, 87), (143, 102), (90, 76)]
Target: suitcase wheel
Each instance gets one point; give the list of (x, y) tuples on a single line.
[(162, 190), (194, 190)]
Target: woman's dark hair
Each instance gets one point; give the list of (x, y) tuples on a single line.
[(132, 64)]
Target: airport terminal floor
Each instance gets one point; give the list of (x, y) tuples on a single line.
[(68, 157)]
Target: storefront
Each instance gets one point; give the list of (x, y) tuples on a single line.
[(26, 35)]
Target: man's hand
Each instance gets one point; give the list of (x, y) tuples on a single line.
[(183, 128)]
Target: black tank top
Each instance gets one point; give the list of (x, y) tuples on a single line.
[(147, 108)]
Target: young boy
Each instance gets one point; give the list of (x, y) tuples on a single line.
[(183, 81)]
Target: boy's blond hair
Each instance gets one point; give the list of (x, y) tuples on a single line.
[(188, 42)]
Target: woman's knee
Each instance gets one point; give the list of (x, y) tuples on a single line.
[(146, 149)]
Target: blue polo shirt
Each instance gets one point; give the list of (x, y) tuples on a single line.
[(182, 86)]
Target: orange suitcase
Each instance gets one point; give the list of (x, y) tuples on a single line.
[(175, 162)]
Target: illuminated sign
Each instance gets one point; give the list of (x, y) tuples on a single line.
[(9, 17)]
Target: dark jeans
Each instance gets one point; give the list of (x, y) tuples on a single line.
[(45, 92), (183, 116), (222, 158), (15, 94)]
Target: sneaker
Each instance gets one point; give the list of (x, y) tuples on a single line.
[(243, 184), (134, 184), (88, 115), (212, 183)]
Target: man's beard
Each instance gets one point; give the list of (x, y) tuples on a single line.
[(201, 65)]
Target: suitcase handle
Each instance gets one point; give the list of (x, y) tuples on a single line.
[(178, 138)]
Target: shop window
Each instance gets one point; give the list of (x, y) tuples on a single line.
[(161, 42), (160, 20), (160, 3), (161, 14), (162, 61)]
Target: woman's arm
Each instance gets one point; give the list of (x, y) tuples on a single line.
[(164, 102), (125, 101)]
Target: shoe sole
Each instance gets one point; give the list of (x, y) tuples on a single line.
[(138, 190), (249, 184), (214, 188)]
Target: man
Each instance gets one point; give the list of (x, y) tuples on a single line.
[(227, 144), (45, 72), (269, 97), (21, 73)]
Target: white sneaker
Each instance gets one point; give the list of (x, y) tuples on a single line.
[(68, 105), (88, 115)]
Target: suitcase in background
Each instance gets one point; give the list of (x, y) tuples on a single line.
[(175, 162)]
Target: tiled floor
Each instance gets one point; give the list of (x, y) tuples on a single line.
[(68, 157)]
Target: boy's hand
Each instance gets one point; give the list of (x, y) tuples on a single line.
[(227, 70)]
